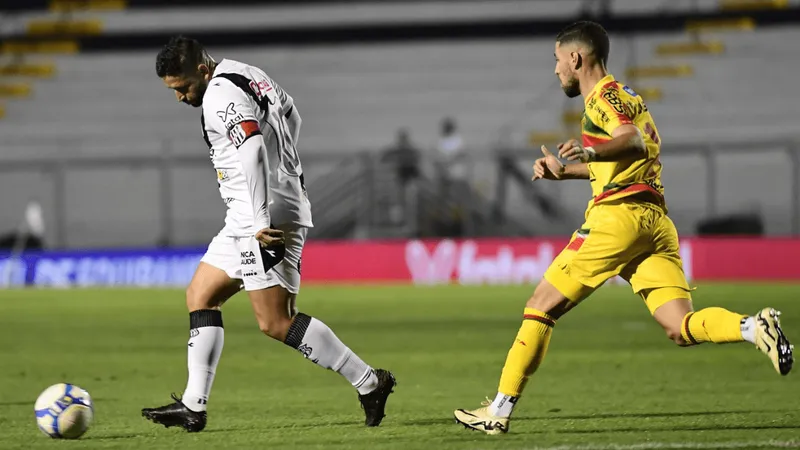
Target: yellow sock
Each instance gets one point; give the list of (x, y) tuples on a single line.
[(527, 352), (717, 325)]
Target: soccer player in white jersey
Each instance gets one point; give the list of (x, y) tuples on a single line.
[(251, 127)]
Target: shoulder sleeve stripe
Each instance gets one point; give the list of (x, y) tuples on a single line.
[(205, 133), (243, 83)]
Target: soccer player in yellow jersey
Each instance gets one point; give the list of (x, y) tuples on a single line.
[(626, 232)]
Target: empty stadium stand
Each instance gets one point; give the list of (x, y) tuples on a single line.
[(722, 87)]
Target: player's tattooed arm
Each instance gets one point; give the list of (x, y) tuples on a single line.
[(626, 143)]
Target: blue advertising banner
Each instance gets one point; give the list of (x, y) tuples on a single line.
[(135, 268)]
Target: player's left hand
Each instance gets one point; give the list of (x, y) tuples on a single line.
[(572, 150), (269, 237)]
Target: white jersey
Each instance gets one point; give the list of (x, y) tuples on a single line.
[(238, 97)]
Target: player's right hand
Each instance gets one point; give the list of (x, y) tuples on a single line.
[(269, 237), (548, 167)]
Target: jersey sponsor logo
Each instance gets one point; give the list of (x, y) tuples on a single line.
[(261, 88), (228, 112), (222, 175), (635, 108), (248, 258), (612, 97), (229, 117), (598, 113), (602, 116), (629, 91), (242, 131)]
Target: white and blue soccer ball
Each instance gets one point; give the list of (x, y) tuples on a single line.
[(64, 411)]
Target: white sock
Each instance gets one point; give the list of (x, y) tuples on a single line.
[(503, 405), (748, 325), (320, 345), (206, 337)]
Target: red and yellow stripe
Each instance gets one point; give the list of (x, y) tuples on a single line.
[(633, 189), (540, 319), (613, 194)]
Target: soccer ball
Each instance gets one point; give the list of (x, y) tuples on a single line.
[(64, 411)]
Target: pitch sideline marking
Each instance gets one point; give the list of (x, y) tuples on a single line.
[(676, 445)]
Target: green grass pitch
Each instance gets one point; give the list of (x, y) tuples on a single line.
[(611, 379)]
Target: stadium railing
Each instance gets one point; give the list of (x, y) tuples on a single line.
[(180, 205)]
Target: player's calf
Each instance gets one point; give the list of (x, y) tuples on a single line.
[(524, 357), (720, 326), (318, 343), (275, 327), (210, 288)]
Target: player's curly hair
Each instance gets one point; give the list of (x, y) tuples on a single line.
[(180, 56), (590, 33)]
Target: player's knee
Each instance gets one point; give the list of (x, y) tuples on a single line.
[(275, 327), (547, 299), (674, 334), (195, 300)]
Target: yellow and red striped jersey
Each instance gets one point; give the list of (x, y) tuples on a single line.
[(609, 106)]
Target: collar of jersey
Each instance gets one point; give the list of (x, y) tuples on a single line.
[(221, 66), (604, 81)]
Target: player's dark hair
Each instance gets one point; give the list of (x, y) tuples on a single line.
[(590, 33), (180, 56)]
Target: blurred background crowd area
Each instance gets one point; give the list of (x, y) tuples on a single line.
[(420, 118)]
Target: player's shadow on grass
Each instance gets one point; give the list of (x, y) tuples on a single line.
[(30, 403), (111, 437), (680, 428), (287, 426), (217, 430), (555, 416)]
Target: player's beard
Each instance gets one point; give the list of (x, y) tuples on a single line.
[(572, 88), (198, 99)]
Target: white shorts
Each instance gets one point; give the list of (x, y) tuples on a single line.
[(244, 259)]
